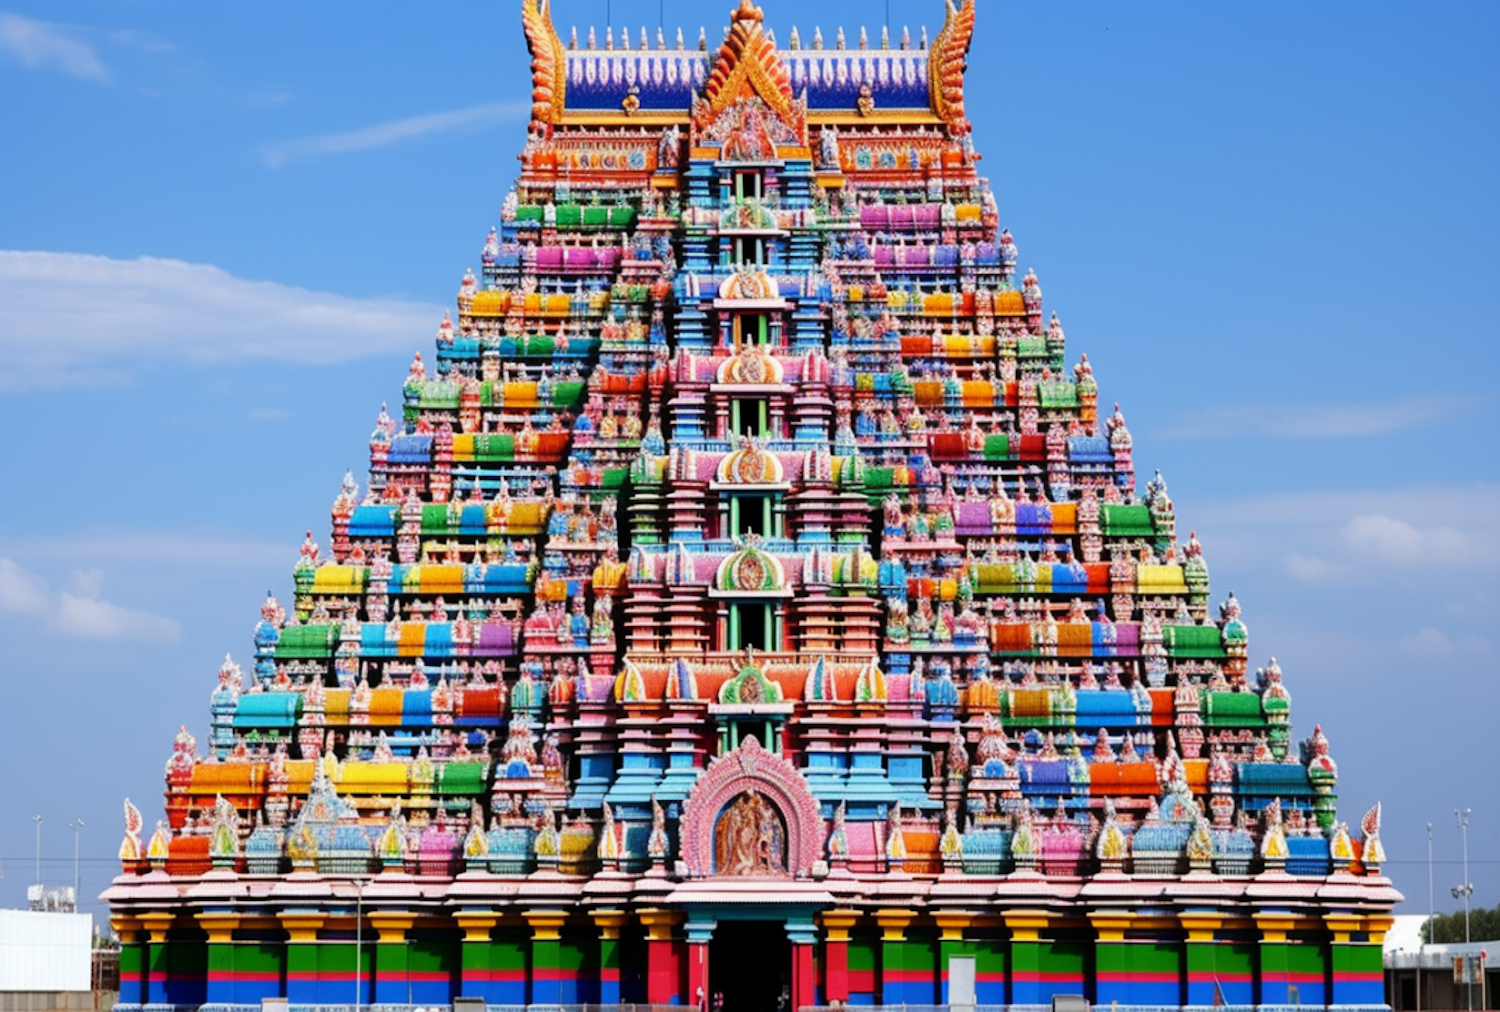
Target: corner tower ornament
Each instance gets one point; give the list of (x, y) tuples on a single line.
[(751, 813), (947, 63), (750, 547), (549, 79)]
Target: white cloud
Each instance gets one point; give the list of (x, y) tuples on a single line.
[(73, 319), (86, 582), (1467, 510), (1425, 551), (1316, 421), (91, 618), (1397, 541), (1311, 568), (42, 44), (21, 592), (469, 120), (1430, 642), (79, 612)]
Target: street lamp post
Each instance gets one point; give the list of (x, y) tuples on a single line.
[(1466, 890), (38, 820), (1427, 933), (75, 826)]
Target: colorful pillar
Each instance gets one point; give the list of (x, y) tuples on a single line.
[(157, 959), (1275, 963), (132, 958), (699, 934), (836, 925), (1112, 965), (222, 981), (951, 925), (302, 971), (1358, 970), (1028, 983), (803, 937), (477, 970), (393, 983), (1202, 972), (663, 957), (893, 969), (546, 955), (609, 923)]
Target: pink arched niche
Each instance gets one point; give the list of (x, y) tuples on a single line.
[(751, 768)]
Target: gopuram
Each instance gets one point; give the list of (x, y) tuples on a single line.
[(750, 597)]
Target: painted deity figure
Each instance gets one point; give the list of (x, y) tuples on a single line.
[(749, 838), (828, 146), (669, 148)]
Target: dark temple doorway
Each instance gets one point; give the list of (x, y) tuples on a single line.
[(750, 964)]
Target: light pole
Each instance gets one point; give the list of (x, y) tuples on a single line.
[(38, 820), (1466, 890), (1427, 934), (75, 826)]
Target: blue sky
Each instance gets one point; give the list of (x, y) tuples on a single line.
[(224, 229)]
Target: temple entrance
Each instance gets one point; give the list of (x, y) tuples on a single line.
[(750, 964)]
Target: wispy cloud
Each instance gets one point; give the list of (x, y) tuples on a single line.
[(72, 319), (78, 612), (469, 120), (267, 414), (1370, 537), (1386, 539), (22, 592), (1317, 421), (1311, 568), (1407, 566), (1428, 642), (204, 551), (46, 45)]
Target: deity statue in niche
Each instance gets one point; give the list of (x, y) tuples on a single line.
[(750, 838)]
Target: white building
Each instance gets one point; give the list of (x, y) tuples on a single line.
[(41, 951)]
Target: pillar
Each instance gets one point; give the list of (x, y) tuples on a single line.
[(663, 957), (221, 982), (302, 976), (951, 925), (893, 969), (699, 934), (1113, 977), (803, 936), (393, 983), (1355, 960), (609, 923), (157, 960), (477, 972), (1209, 983), (836, 926), (132, 958), (1026, 981), (1275, 962), (546, 955)]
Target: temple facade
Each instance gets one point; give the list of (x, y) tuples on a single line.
[(750, 597)]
